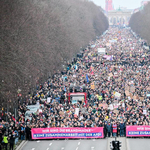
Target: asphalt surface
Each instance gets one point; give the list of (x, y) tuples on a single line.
[(87, 144), (138, 144)]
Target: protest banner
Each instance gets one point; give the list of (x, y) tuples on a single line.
[(77, 111), (138, 131), (62, 133)]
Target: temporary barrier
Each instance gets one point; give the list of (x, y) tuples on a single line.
[(60, 133), (137, 131)]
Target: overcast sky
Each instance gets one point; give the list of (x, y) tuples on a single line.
[(130, 4)]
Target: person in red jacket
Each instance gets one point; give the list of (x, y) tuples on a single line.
[(114, 129)]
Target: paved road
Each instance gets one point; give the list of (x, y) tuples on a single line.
[(138, 144), (89, 144)]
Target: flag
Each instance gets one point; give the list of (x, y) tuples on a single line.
[(13, 118), (87, 79), (76, 67), (92, 73)]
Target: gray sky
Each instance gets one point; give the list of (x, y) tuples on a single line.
[(130, 4)]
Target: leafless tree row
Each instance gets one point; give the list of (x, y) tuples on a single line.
[(37, 35), (140, 22)]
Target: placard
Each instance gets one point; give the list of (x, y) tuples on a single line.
[(69, 133), (138, 131)]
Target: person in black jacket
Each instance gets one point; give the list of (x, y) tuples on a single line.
[(1, 139), (105, 130), (11, 141), (28, 132)]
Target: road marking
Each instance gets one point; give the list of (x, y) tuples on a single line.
[(38, 141), (77, 148), (62, 148), (92, 148), (33, 148), (79, 143), (50, 144), (47, 149)]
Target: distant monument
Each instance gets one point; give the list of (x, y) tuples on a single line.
[(120, 16)]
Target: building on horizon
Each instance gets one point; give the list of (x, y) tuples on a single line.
[(120, 16)]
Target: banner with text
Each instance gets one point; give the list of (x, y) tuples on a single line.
[(137, 131), (57, 133)]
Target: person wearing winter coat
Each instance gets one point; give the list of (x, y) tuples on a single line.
[(114, 129), (109, 129), (11, 141), (122, 127), (5, 141)]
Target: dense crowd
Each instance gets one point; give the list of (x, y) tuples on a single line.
[(117, 87)]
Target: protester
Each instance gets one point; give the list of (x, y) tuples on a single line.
[(5, 141), (109, 129), (11, 141), (1, 139), (122, 129), (114, 129)]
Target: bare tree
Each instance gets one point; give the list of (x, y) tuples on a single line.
[(140, 22), (36, 36)]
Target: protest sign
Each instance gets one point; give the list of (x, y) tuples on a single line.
[(111, 107), (62, 133), (144, 111), (48, 100), (77, 111), (138, 131), (117, 94)]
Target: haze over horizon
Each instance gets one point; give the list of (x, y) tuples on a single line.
[(129, 4)]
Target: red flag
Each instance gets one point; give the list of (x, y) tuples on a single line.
[(13, 118)]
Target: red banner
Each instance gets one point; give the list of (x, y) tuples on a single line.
[(57, 133)]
